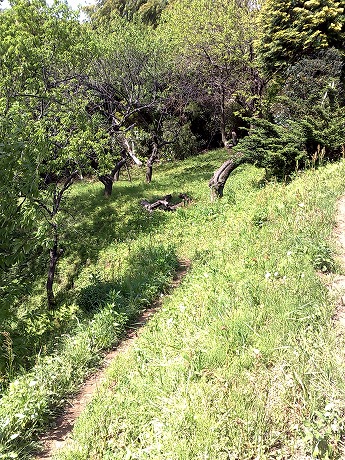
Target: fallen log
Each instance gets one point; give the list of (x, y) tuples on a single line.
[(166, 203)]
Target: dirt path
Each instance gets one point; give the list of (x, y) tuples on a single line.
[(337, 286), (57, 437)]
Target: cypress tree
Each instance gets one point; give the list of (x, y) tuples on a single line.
[(293, 29)]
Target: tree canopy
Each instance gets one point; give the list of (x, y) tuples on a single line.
[(291, 30), (142, 80)]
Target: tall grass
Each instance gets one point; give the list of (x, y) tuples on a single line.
[(242, 362)]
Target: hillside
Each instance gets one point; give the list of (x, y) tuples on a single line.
[(244, 357), (242, 361)]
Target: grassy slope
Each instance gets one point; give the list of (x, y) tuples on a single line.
[(242, 361), (113, 267), (238, 362)]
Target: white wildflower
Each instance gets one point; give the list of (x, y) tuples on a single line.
[(329, 407), (256, 352), (170, 321)]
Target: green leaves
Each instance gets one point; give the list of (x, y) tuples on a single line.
[(45, 131), (290, 30)]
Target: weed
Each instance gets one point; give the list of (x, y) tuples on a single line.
[(323, 259), (8, 354), (323, 433), (260, 218)]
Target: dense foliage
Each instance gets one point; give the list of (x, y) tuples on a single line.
[(88, 98), (291, 30)]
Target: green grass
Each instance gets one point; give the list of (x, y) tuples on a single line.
[(242, 361)]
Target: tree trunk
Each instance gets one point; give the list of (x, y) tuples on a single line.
[(223, 119), (117, 176), (219, 178), (149, 166), (153, 157), (54, 255), (129, 149), (128, 172), (108, 179), (234, 138), (53, 258)]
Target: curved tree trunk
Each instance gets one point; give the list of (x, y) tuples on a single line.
[(219, 178)]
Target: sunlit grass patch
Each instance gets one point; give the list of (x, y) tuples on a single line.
[(241, 362)]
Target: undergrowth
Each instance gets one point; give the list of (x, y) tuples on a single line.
[(32, 398)]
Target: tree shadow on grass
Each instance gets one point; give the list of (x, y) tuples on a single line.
[(103, 222), (149, 272)]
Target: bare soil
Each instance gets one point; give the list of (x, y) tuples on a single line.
[(337, 286), (57, 437)]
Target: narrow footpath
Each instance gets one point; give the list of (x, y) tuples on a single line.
[(58, 436), (337, 286)]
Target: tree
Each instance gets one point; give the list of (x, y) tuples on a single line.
[(293, 29), (211, 44), (125, 84), (219, 178), (148, 11), (306, 123), (45, 132), (300, 51)]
